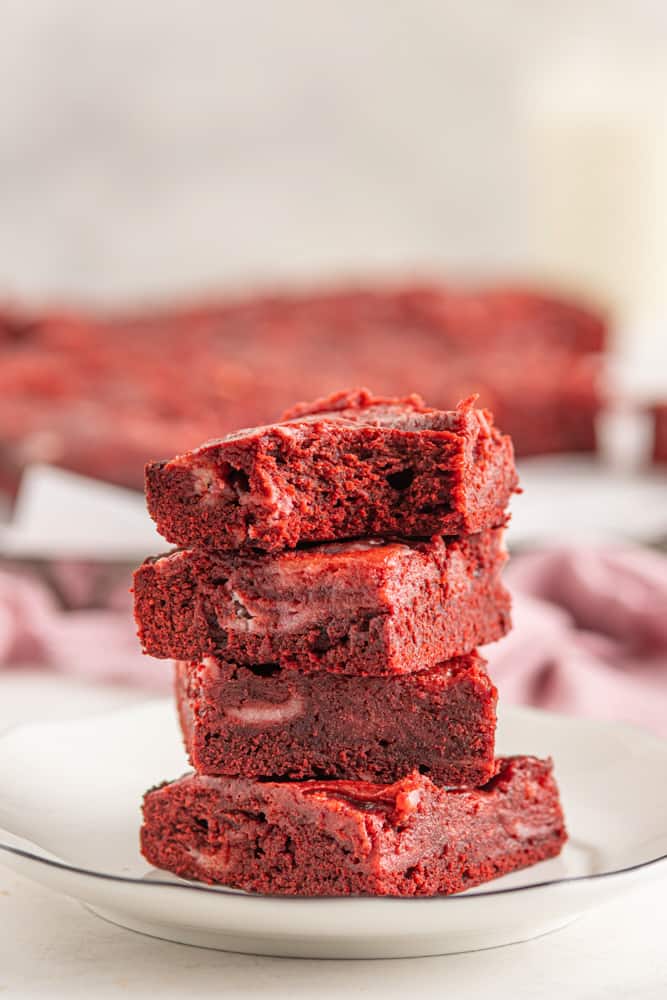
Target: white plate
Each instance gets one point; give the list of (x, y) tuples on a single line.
[(570, 499), (69, 816)]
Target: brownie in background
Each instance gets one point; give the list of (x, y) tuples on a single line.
[(104, 394)]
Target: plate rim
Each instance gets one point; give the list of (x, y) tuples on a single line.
[(237, 894), (153, 703)]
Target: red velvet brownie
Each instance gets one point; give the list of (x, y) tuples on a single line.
[(359, 607), (259, 721), (660, 432), (340, 838), (350, 466)]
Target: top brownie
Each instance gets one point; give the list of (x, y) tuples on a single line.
[(349, 466)]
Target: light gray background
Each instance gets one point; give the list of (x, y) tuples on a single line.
[(162, 148)]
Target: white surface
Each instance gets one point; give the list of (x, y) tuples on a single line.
[(570, 499), (59, 514), (51, 947)]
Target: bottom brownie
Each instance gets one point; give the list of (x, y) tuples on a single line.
[(262, 721), (338, 838)]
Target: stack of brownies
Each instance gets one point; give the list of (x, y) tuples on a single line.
[(336, 572)]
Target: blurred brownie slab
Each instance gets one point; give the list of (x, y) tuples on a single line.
[(261, 721), (103, 393), (349, 466), (339, 838), (660, 432), (354, 607)]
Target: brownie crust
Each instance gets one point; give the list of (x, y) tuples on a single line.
[(344, 838), (349, 466)]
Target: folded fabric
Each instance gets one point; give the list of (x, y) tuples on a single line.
[(98, 643), (590, 634)]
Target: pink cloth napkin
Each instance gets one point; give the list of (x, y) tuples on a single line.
[(590, 634), (98, 644), (589, 637)]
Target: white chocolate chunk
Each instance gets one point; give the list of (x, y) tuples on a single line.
[(261, 713)]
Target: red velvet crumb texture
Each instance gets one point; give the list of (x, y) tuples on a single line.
[(343, 838), (366, 467)]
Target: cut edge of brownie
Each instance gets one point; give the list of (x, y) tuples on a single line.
[(378, 466), (286, 725)]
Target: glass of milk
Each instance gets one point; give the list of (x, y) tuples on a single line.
[(596, 195)]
